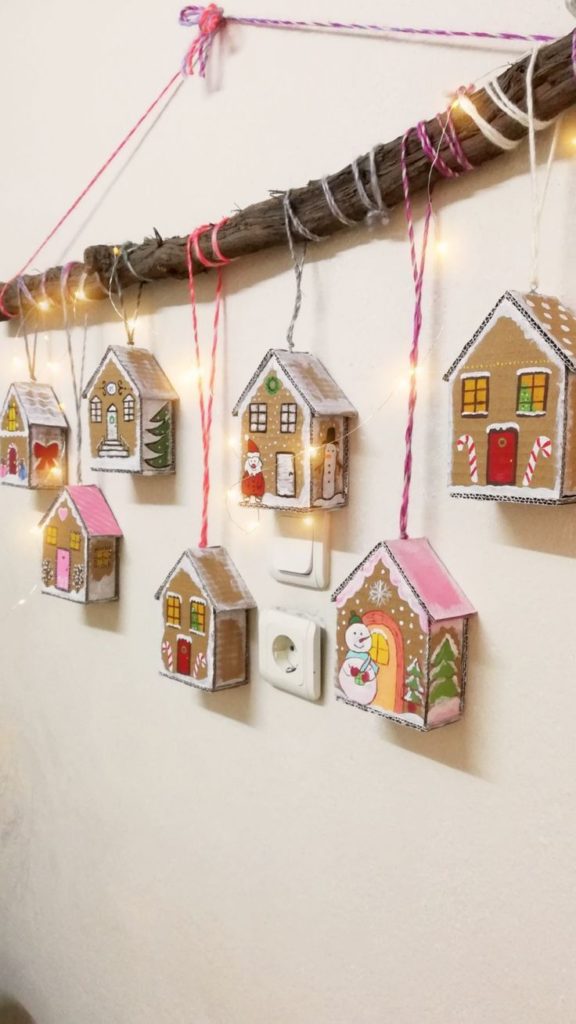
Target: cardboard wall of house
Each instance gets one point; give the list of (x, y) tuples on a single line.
[(33, 438), (131, 414), (205, 605), (294, 422), (512, 432), (401, 636), (80, 547)]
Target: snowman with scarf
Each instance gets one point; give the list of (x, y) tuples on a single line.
[(358, 673)]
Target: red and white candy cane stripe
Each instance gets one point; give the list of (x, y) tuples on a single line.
[(467, 441), (542, 445), (199, 664), (167, 654)]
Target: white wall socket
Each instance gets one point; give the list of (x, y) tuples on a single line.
[(289, 652), (300, 549)]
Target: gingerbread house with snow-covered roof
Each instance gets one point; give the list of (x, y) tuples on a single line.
[(131, 413), (33, 437), (80, 547), (295, 422), (402, 636), (513, 404)]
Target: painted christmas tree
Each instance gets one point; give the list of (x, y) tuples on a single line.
[(162, 448), (444, 682), (414, 689)]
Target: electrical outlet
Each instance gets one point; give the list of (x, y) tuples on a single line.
[(289, 650)]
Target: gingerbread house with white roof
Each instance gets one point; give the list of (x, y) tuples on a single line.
[(513, 404)]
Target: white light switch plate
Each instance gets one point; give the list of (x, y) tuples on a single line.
[(289, 653), (300, 549)]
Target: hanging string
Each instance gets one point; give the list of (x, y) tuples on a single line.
[(538, 199), (333, 205), (418, 266), (298, 262), (295, 221), (193, 250), (76, 379), (30, 350)]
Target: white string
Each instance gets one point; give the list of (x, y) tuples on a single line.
[(501, 100), (333, 205), (538, 200), (488, 130)]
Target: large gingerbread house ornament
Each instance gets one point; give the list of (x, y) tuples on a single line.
[(295, 422), (33, 438), (131, 413), (402, 636), (205, 605), (80, 547), (513, 405)]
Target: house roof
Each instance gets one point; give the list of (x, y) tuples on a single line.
[(426, 575), (220, 580), (92, 508), (39, 405), (554, 322), (311, 380), (142, 368)]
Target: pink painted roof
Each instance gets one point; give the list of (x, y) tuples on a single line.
[(95, 511), (430, 578)]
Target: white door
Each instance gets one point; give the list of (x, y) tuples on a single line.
[(285, 475), (112, 423)]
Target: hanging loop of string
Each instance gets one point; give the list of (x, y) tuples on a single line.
[(209, 20), (193, 250), (298, 262), (76, 378), (114, 286), (538, 198), (30, 350)]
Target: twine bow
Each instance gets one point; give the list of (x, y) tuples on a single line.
[(209, 20)]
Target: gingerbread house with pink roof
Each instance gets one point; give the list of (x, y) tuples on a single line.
[(80, 547), (402, 636)]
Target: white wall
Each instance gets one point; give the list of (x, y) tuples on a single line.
[(171, 856)]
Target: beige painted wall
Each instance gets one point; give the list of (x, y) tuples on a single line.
[(173, 857)]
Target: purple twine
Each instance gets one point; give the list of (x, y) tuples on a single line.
[(454, 142), (433, 155), (190, 15)]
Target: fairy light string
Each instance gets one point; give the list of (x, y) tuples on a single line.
[(75, 377), (205, 401)]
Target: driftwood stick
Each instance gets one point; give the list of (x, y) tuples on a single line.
[(261, 226)]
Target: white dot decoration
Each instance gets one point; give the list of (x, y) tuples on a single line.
[(564, 327)]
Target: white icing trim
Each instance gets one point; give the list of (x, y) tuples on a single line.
[(477, 373), (533, 369), (502, 426)]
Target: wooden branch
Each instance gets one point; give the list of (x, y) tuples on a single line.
[(261, 226)]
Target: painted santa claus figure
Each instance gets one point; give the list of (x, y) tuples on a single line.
[(253, 485)]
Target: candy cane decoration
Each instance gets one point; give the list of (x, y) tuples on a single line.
[(199, 664), (542, 445), (467, 441), (167, 655)]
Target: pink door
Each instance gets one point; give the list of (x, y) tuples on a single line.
[(62, 569)]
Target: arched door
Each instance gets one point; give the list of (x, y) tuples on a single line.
[(112, 423), (184, 656), (12, 460), (388, 653)]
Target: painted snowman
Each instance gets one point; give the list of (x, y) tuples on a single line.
[(358, 673)]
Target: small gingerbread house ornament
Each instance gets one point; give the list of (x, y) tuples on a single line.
[(33, 438), (205, 605), (513, 405), (402, 636), (131, 412), (80, 547), (295, 422)]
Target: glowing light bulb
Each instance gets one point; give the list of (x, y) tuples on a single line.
[(441, 248), (43, 304), (35, 529), (80, 295), (116, 251), (312, 451), (56, 472), (131, 323), (232, 443), (308, 520)]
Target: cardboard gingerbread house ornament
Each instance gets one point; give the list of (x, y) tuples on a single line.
[(33, 438), (205, 605), (295, 422), (131, 412), (513, 405), (402, 636), (80, 547)]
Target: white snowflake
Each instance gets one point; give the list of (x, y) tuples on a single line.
[(379, 593)]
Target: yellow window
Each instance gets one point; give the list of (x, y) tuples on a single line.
[(532, 392), (75, 541), (102, 558), (173, 610), (380, 650), (475, 393), (12, 416), (198, 617), (51, 535)]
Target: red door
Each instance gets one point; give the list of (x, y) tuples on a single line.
[(502, 456), (184, 658), (12, 460)]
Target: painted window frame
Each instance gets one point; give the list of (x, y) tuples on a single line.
[(129, 408), (95, 409), (288, 417), (202, 602), (51, 536), (101, 562), (257, 410), (172, 596), (75, 540), (533, 374), (475, 379)]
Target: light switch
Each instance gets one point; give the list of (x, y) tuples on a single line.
[(300, 549)]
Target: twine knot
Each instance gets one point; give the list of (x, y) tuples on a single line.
[(209, 20)]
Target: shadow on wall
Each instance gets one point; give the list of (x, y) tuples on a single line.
[(12, 1012)]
